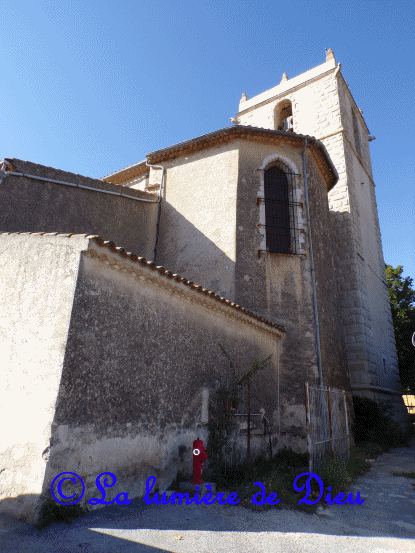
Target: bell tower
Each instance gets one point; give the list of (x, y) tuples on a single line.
[(319, 103)]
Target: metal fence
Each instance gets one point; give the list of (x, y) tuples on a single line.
[(247, 435), (327, 424)]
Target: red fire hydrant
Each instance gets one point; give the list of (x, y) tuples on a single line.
[(199, 457)]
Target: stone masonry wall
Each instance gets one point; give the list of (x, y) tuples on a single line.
[(333, 353), (323, 108), (142, 359), (128, 358)]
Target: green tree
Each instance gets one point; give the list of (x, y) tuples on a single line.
[(402, 300)]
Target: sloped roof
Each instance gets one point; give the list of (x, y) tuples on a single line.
[(165, 273), (227, 134)]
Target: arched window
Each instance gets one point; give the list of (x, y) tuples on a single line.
[(280, 209), (284, 116)]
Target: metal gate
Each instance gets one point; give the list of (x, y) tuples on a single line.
[(327, 423)]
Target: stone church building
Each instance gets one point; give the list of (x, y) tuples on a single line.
[(262, 236)]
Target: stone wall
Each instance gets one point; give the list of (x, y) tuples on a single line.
[(37, 283), (142, 358), (279, 286), (210, 209), (30, 205), (197, 224), (333, 352), (128, 357), (323, 107)]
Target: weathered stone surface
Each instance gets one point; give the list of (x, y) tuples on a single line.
[(118, 380), (324, 107), (30, 205)]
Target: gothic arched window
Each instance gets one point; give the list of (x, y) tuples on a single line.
[(280, 210)]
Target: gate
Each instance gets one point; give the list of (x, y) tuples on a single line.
[(327, 424)]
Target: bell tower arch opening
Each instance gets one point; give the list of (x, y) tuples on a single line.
[(283, 116)]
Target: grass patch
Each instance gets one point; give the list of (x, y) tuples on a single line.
[(278, 475)]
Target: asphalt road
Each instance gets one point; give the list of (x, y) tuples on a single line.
[(384, 523)]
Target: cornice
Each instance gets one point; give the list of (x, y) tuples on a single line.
[(118, 177), (252, 134), (286, 92)]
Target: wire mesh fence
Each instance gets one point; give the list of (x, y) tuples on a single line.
[(327, 424)]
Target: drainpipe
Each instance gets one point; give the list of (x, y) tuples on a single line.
[(320, 372), (159, 209)]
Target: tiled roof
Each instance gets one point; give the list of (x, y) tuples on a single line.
[(134, 170), (161, 270), (169, 274), (227, 134)]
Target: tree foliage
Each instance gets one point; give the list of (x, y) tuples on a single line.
[(402, 300)]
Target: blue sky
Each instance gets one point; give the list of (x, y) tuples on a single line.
[(91, 87)]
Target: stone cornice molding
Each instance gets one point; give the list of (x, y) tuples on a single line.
[(252, 134), (286, 92)]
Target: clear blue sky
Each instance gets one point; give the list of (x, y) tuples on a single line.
[(91, 87)]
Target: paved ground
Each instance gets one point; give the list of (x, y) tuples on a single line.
[(384, 523)]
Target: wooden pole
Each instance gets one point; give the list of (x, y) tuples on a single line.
[(347, 421)]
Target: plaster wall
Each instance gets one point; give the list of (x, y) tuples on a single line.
[(142, 360), (138, 183), (276, 287), (30, 205), (198, 217), (37, 284)]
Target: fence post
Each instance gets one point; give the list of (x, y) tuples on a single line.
[(330, 419), (347, 420), (308, 426)]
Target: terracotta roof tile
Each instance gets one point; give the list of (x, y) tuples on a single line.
[(169, 274), (161, 270)]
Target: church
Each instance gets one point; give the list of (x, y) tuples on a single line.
[(262, 236)]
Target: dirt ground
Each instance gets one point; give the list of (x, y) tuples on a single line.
[(384, 523)]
